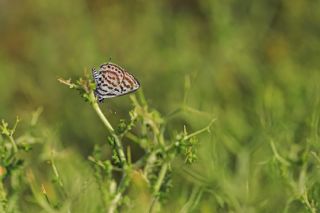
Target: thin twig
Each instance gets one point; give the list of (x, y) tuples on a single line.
[(207, 128), (277, 155)]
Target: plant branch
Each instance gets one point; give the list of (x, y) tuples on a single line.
[(14, 145), (277, 155), (118, 145), (207, 128), (114, 203), (119, 149), (158, 184), (121, 188), (160, 179), (96, 107), (9, 133)]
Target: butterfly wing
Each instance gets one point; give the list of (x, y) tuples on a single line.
[(108, 80), (129, 83), (113, 81)]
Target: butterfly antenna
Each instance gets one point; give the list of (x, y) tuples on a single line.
[(109, 59)]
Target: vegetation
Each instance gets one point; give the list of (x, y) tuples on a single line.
[(227, 119)]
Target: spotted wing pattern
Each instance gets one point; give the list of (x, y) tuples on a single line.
[(112, 81)]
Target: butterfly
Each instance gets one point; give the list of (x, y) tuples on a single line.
[(113, 81)]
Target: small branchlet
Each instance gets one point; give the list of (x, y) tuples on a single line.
[(84, 85), (6, 131), (8, 149)]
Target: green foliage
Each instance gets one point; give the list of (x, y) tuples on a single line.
[(12, 165), (254, 65), (147, 129)]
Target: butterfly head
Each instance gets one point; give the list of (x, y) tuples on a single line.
[(104, 67)]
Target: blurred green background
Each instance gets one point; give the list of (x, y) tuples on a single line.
[(254, 65)]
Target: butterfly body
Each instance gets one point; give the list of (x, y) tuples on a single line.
[(112, 81)]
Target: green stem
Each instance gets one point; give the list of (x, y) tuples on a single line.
[(207, 128), (58, 178), (149, 163), (101, 115), (132, 137), (121, 189), (277, 155), (158, 184), (114, 203), (14, 145), (118, 145), (119, 150), (161, 176)]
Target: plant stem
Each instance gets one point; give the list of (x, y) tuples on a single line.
[(158, 184), (121, 188), (149, 163), (207, 128), (58, 178), (14, 145), (114, 203), (118, 145), (161, 176), (105, 121), (277, 155), (119, 149)]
